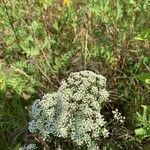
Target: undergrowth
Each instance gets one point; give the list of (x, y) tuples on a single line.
[(41, 42)]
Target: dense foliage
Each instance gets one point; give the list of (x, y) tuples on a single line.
[(43, 41)]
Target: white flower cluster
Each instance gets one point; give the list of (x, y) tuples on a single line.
[(29, 147), (74, 111), (118, 116)]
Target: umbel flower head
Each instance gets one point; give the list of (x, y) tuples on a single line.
[(74, 111)]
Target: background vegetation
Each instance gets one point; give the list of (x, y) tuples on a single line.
[(43, 41)]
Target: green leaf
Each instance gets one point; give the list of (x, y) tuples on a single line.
[(144, 77), (147, 107), (138, 38), (140, 119), (144, 112), (55, 25), (2, 82), (145, 35), (147, 81), (17, 146), (34, 25), (140, 132), (148, 112)]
